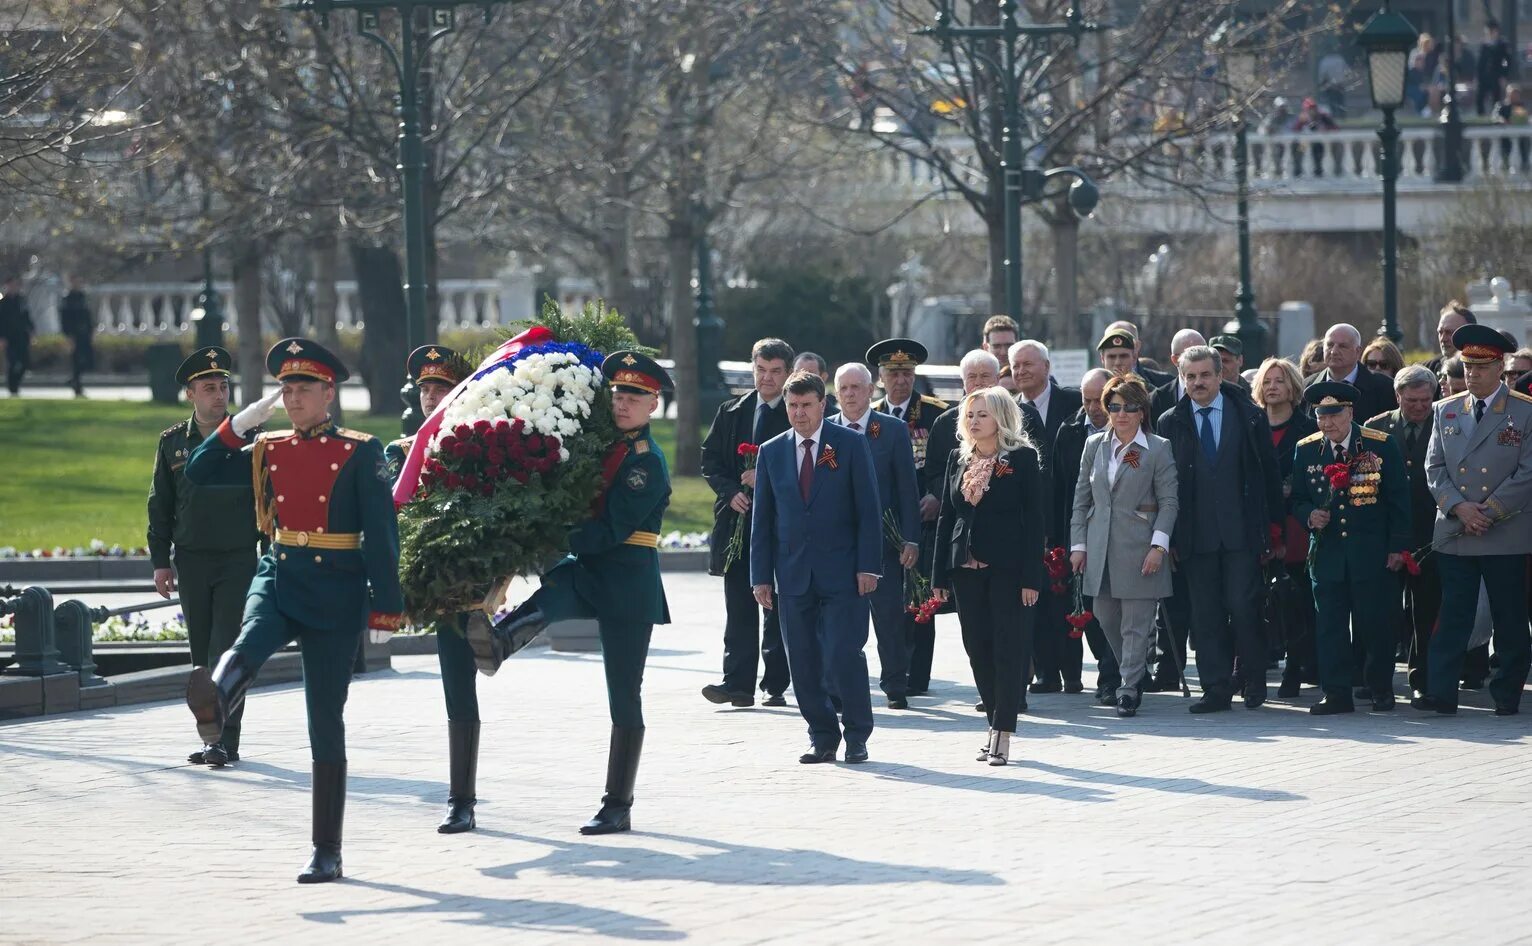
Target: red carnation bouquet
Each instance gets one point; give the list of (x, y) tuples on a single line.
[(917, 587), (474, 457), (1080, 617), (1056, 560), (925, 612), (748, 453)]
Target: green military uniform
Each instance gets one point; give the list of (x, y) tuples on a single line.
[(207, 533), (1348, 558)]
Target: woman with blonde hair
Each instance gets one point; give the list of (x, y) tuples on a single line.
[(989, 554), (1383, 357), (1125, 509)]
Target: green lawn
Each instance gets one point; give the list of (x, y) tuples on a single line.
[(72, 471)]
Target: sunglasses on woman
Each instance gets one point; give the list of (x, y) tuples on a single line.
[(1375, 365), (1119, 408)]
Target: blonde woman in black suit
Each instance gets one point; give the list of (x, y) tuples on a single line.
[(989, 554)]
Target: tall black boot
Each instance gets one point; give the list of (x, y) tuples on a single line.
[(621, 772), (213, 697), (329, 793), (463, 748)]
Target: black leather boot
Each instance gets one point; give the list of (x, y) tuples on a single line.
[(463, 750), (212, 697), (621, 772), (521, 627), (329, 793)]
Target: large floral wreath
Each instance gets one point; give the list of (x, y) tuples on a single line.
[(507, 464)]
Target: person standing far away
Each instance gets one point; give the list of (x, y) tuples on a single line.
[(78, 325), (16, 331)]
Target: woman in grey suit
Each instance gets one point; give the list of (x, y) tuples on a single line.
[(1125, 509)]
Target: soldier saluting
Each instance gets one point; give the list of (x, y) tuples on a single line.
[(210, 528), (322, 495)]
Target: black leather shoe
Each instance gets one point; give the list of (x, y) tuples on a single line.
[(213, 697), (1361, 694), (1289, 689), (463, 769), (1046, 686), (195, 758), (1209, 704), (1431, 705), (856, 752), (1073, 686), (979, 707), (329, 799), (616, 814), (816, 757), (1126, 706), (1505, 709), (773, 699), (898, 702), (1108, 698), (1329, 707), (1473, 683), (215, 755), (519, 628), (717, 694), (1383, 706)]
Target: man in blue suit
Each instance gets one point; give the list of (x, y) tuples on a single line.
[(893, 460), (816, 533)]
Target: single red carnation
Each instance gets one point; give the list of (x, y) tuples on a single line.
[(482, 427), (454, 481), (535, 442), (448, 442)]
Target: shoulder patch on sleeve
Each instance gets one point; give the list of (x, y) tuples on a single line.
[(1371, 434), (1519, 396), (1311, 438), (636, 478), (358, 435)]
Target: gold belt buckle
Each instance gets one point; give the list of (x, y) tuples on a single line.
[(302, 539)]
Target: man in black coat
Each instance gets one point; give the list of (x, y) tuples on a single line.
[(1454, 315), (1032, 370), (79, 326), (752, 419), (1231, 507), (1343, 362), (16, 330)]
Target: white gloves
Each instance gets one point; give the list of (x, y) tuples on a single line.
[(255, 414), (379, 637)]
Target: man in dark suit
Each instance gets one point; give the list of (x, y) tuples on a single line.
[(1343, 362), (1032, 369), (1454, 315), (1231, 504), (1165, 396), (1053, 630), (752, 419), (812, 361), (1410, 426), (899, 498), (817, 537)]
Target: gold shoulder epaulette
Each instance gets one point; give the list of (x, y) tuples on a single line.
[(935, 402), (1381, 418), (1453, 397), (173, 430), (1311, 438), (403, 442), (1520, 397), (350, 434), (274, 434), (1371, 434), (641, 446)]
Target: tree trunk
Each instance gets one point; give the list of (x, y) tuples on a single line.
[(994, 225), (681, 246), (617, 247), (380, 292), (248, 259), (326, 259), (1066, 329)]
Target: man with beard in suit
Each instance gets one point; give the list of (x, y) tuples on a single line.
[(1343, 362)]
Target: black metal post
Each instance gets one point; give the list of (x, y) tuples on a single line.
[(1011, 158), (711, 391), (1388, 159), (1450, 171), (1252, 333)]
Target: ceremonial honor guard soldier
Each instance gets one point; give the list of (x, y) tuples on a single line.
[(612, 574), (895, 359), (211, 528), (436, 370), (1479, 466), (322, 495), (1351, 490)]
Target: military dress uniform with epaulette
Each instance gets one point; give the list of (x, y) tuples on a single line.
[(332, 571), (919, 414), (1481, 452), (207, 532), (1348, 558), (612, 574)]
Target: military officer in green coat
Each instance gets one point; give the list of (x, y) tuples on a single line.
[(613, 575), (436, 370), (1352, 490), (323, 497), (202, 538)]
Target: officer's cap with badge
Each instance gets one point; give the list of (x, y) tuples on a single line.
[(209, 362), (1117, 338), (1481, 345), (298, 359), (1228, 343), (897, 353), (635, 373), (436, 363), (1330, 397)]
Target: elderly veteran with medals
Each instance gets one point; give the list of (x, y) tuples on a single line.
[(612, 574), (210, 525), (1352, 491), (322, 495), (1479, 468)]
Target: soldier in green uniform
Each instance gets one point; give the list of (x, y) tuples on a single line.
[(436, 370), (322, 495), (1358, 532), (613, 575), (895, 359), (206, 531)]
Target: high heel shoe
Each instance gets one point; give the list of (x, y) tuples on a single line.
[(987, 748), (1000, 753)]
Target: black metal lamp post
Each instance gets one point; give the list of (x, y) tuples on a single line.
[(1388, 38), (208, 313), (1022, 184), (1450, 171), (404, 58), (1240, 64)]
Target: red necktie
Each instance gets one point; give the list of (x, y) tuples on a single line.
[(856, 426), (806, 470)]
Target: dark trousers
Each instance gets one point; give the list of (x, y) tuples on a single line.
[(745, 643), (920, 639), (1174, 627), (1422, 600), (460, 684), (1299, 644), (1225, 591), (1056, 656), (80, 359), (213, 586), (1353, 616), (825, 633), (888, 616), (624, 649), (327, 657), (1504, 577), (18, 358), (997, 633)]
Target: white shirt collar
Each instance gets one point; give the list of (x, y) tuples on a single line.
[(817, 437), (1345, 444), (900, 407), (1216, 405), (772, 405), (1041, 401), (846, 420), (1489, 402), (1350, 378), (1138, 438)]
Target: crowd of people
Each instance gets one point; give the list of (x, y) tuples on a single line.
[(1332, 518)]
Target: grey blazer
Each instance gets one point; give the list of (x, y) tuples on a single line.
[(1490, 464), (1115, 521)]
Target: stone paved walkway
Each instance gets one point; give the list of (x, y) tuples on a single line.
[(1261, 826)]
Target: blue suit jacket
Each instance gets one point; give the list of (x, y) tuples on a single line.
[(893, 461), (826, 541)]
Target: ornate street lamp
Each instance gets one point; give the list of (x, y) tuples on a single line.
[(1450, 171), (1241, 62), (1388, 38)]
